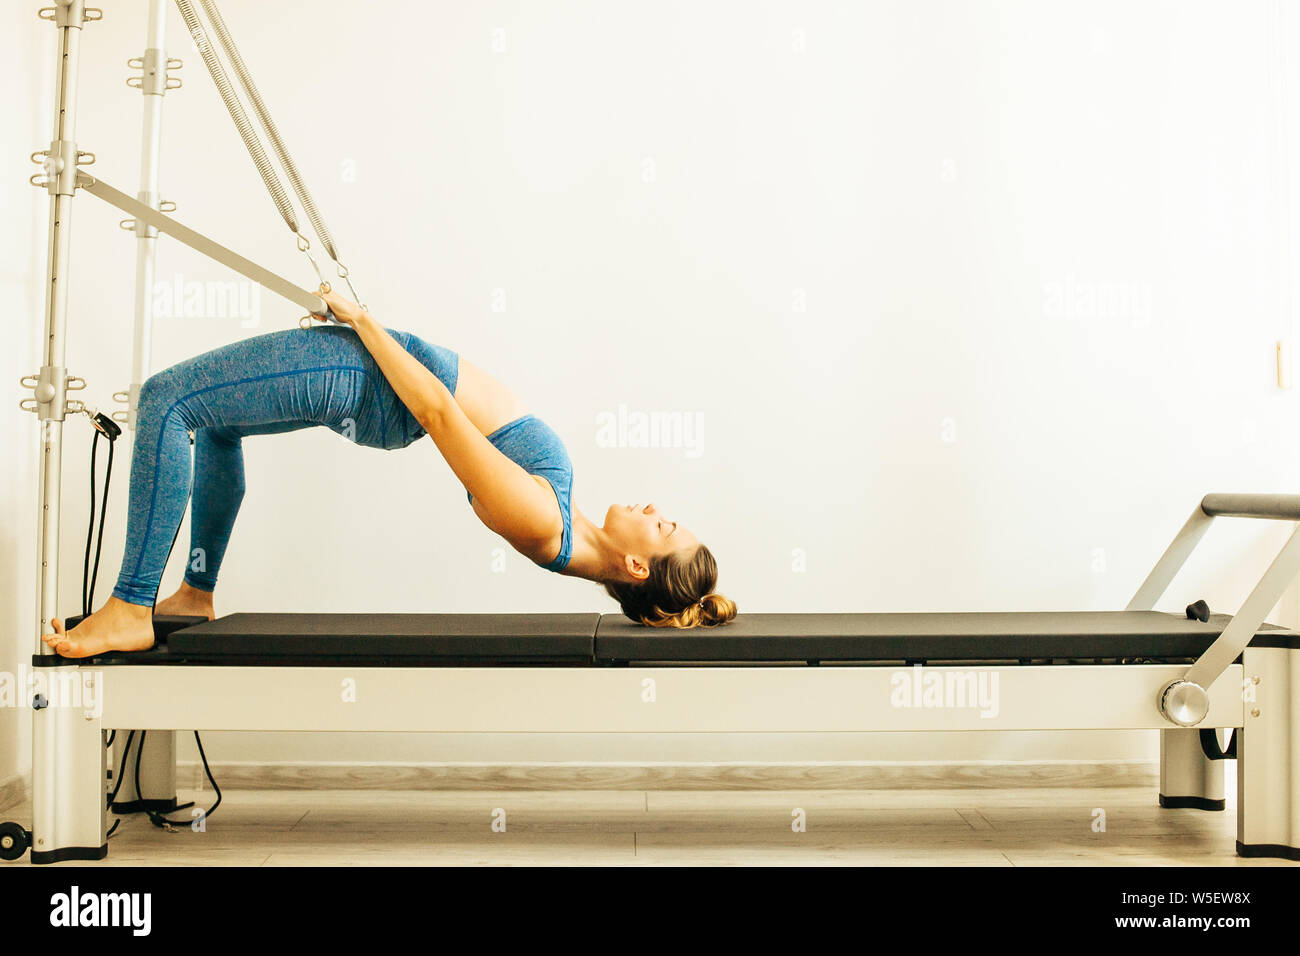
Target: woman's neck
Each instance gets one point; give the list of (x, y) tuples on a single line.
[(593, 555)]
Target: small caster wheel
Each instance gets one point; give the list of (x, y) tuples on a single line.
[(14, 841)]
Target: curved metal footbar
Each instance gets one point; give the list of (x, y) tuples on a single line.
[(248, 133)]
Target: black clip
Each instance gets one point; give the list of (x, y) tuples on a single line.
[(105, 426)]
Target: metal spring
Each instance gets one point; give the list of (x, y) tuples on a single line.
[(268, 124), (237, 113)]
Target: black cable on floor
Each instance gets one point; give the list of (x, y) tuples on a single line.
[(139, 795), (121, 775), (159, 819)]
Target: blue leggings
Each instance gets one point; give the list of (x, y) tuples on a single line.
[(265, 385)]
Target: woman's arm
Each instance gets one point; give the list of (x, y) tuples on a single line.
[(513, 503), (422, 392)]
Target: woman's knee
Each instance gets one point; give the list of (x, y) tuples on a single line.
[(155, 388), (159, 394)]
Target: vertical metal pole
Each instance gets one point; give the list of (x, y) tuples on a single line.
[(1189, 779), (157, 765), (51, 392), (153, 87), (1268, 752), (67, 738)]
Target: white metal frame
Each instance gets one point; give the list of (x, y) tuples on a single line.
[(572, 700), (1256, 697)]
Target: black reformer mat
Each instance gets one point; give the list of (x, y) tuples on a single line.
[(611, 639)]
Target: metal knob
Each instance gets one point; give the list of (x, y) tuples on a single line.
[(1184, 702)]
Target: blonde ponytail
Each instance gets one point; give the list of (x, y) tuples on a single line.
[(678, 592)]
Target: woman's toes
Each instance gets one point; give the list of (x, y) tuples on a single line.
[(58, 624), (57, 643)]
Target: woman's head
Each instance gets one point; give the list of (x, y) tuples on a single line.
[(667, 576)]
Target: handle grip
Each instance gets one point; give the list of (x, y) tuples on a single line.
[(321, 309), (1272, 507)]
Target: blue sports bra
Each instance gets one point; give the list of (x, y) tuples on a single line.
[(533, 445)]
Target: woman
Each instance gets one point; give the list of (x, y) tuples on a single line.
[(383, 389)]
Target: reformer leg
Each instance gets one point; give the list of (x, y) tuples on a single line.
[(1268, 753), (68, 768), (1189, 779), (156, 787)]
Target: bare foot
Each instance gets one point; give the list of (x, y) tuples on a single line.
[(187, 602), (117, 626)]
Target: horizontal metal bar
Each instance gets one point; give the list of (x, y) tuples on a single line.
[(201, 243), (1275, 507), (649, 699)]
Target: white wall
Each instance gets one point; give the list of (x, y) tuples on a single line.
[(975, 301)]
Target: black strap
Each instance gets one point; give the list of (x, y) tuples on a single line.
[(1210, 745)]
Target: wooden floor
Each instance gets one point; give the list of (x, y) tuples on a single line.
[(946, 827)]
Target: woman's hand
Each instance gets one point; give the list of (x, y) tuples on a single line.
[(347, 312)]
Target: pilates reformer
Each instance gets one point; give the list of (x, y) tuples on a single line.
[(1186, 675)]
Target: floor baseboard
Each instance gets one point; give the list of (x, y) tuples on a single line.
[(568, 776)]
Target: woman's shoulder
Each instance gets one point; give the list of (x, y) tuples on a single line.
[(532, 443)]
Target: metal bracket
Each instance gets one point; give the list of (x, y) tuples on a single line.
[(139, 226), (59, 166), (71, 13), (51, 402), (154, 66), (131, 399)]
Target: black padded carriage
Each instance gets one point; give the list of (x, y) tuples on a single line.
[(611, 639), (964, 636), (399, 639)]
